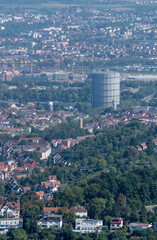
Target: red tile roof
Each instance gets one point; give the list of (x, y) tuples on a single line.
[(26, 189), (53, 177), (78, 209), (40, 193), (13, 205), (116, 220), (50, 210)]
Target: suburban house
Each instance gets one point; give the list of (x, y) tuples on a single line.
[(141, 147), (47, 197), (48, 211), (9, 223), (144, 146), (80, 211), (11, 213), (139, 226), (54, 221), (50, 186), (116, 223), (50, 218), (40, 194), (83, 225), (10, 209), (52, 178)]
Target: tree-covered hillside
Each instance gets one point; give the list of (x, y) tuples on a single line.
[(104, 196), (113, 151), (111, 195)]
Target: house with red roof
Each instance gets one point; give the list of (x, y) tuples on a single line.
[(50, 186), (48, 211), (116, 223), (52, 178), (40, 194), (80, 211), (10, 209), (26, 189), (144, 146)]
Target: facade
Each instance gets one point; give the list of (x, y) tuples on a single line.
[(138, 226), (88, 225), (105, 89), (45, 152), (61, 76), (80, 211), (9, 223), (10, 209), (54, 221), (116, 223)]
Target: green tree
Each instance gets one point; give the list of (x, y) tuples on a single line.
[(30, 219), (18, 234)]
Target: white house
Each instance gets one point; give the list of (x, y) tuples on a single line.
[(10, 209), (139, 226), (54, 221), (80, 211), (9, 223), (88, 225)]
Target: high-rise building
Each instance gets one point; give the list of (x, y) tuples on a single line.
[(105, 89)]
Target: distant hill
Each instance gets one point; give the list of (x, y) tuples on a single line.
[(32, 2)]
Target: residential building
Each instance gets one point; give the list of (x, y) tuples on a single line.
[(50, 187), (49, 211), (83, 225), (45, 152), (139, 226), (54, 221), (9, 223), (10, 209), (26, 189), (116, 223), (52, 178), (144, 146), (40, 194), (80, 211)]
